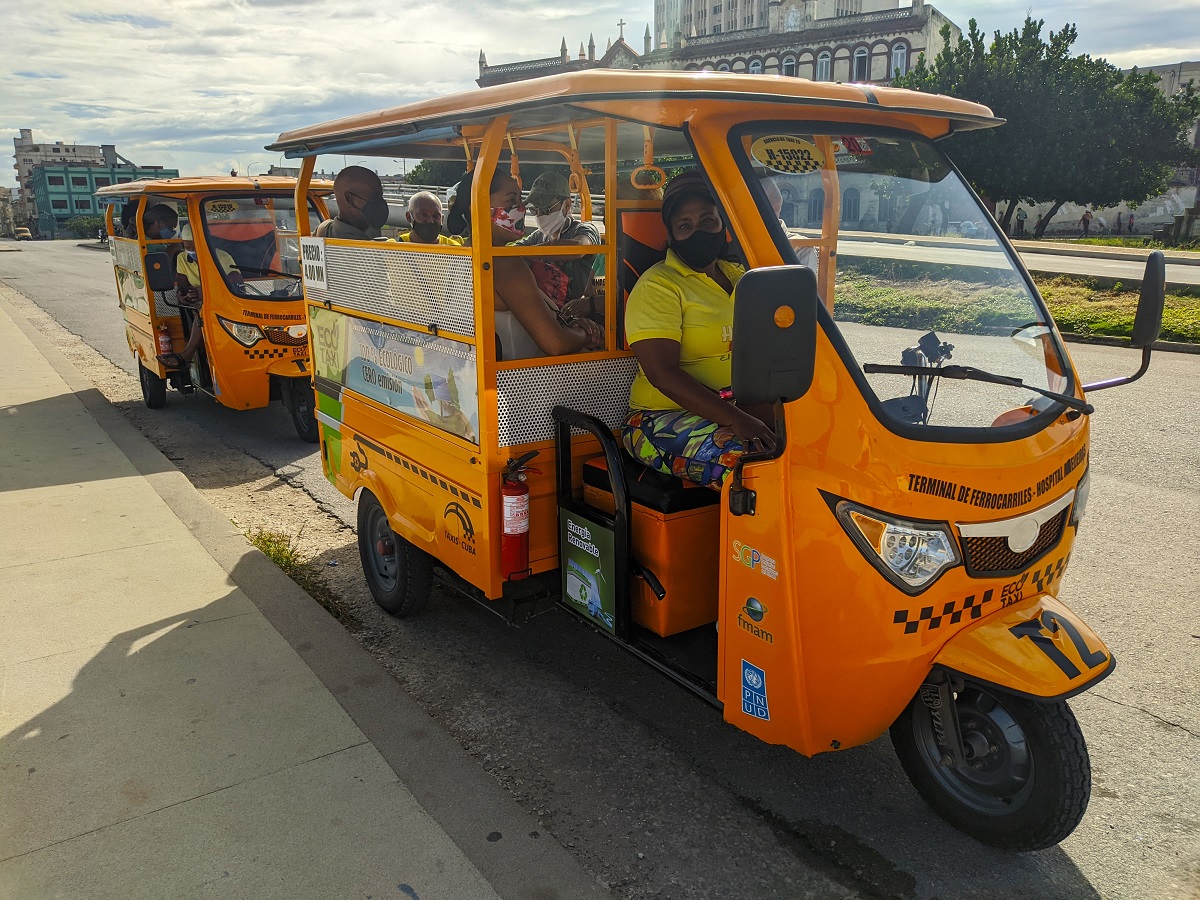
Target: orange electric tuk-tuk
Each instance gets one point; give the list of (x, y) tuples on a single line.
[(893, 563), (238, 239)]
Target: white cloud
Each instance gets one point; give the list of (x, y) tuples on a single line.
[(202, 85)]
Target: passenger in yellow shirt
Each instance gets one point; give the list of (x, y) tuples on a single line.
[(679, 324), (187, 286), (424, 216)]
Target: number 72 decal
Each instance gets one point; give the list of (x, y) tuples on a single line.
[(1039, 629)]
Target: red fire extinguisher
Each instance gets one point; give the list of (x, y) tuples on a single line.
[(514, 538), (164, 338)]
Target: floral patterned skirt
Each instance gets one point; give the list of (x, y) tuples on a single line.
[(680, 443)]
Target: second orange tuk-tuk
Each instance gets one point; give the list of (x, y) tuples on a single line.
[(245, 255)]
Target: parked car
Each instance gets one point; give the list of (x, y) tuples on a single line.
[(23, 234)]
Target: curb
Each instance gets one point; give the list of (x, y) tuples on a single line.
[(1131, 254), (1110, 341), (94, 245)]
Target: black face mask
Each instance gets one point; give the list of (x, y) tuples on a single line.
[(427, 232), (701, 249), (375, 211)]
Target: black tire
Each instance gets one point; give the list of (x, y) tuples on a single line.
[(1027, 777), (300, 402), (154, 389), (399, 574)]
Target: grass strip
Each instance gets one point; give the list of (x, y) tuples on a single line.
[(282, 550)]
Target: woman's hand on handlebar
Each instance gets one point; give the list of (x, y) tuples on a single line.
[(752, 432)]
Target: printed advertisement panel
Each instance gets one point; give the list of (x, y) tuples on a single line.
[(588, 560), (426, 377)]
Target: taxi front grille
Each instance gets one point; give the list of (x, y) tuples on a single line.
[(278, 335), (988, 556)]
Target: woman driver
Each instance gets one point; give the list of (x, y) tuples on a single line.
[(679, 324), (527, 321)]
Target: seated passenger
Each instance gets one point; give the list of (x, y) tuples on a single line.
[(805, 255), (550, 201), (527, 322), (362, 211), (679, 324), (159, 222), (425, 221), (187, 284)]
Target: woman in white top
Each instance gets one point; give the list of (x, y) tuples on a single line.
[(527, 321)]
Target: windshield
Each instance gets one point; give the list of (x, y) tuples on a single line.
[(256, 243), (919, 275)]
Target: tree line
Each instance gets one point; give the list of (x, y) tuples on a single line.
[(1078, 129)]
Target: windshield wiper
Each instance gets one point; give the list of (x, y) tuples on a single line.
[(970, 373)]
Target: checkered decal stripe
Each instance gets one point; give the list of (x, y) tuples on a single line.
[(436, 480), (267, 353), (972, 606), (398, 283)]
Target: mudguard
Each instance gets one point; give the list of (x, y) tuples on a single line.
[(1037, 648), (293, 367)]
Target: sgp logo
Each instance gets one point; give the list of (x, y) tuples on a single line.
[(746, 555)]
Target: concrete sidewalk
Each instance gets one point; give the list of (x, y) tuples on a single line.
[(178, 719)]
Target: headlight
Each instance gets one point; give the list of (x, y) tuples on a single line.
[(1081, 497), (243, 332), (911, 555)]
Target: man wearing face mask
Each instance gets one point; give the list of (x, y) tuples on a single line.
[(158, 222), (190, 296), (425, 221), (549, 200), (679, 324), (362, 211)]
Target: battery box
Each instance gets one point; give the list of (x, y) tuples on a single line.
[(675, 531)]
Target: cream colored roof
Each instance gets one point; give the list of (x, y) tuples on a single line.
[(207, 184)]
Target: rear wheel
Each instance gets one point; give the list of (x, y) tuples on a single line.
[(154, 389), (300, 402), (399, 574), (1025, 780)]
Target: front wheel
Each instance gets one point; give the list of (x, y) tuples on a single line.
[(154, 389), (1025, 780), (300, 402), (399, 574)]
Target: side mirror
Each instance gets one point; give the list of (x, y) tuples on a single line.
[(160, 275), (1147, 324), (774, 334)]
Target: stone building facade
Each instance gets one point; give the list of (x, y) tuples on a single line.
[(823, 40)]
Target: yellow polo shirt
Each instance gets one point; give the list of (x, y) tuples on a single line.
[(453, 240), (678, 303), (190, 269)]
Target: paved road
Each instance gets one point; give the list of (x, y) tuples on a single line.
[(1127, 270), (636, 773)]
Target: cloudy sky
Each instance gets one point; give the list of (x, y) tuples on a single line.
[(202, 85)]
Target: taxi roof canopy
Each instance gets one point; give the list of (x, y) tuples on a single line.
[(207, 184), (437, 127)]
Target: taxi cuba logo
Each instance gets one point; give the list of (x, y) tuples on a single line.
[(457, 527)]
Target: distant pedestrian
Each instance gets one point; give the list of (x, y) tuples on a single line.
[(1130, 228), (1085, 222), (1021, 217)]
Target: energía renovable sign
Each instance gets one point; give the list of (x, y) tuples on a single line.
[(588, 559)]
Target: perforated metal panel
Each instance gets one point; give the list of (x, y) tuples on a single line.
[(524, 397), (399, 283)]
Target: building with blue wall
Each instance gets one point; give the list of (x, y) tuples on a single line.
[(61, 193)]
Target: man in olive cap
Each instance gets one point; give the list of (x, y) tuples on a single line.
[(549, 200)]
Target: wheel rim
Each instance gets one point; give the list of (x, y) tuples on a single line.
[(302, 402), (383, 553), (997, 777)]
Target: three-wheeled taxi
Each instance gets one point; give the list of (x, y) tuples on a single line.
[(893, 563), (243, 252)]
